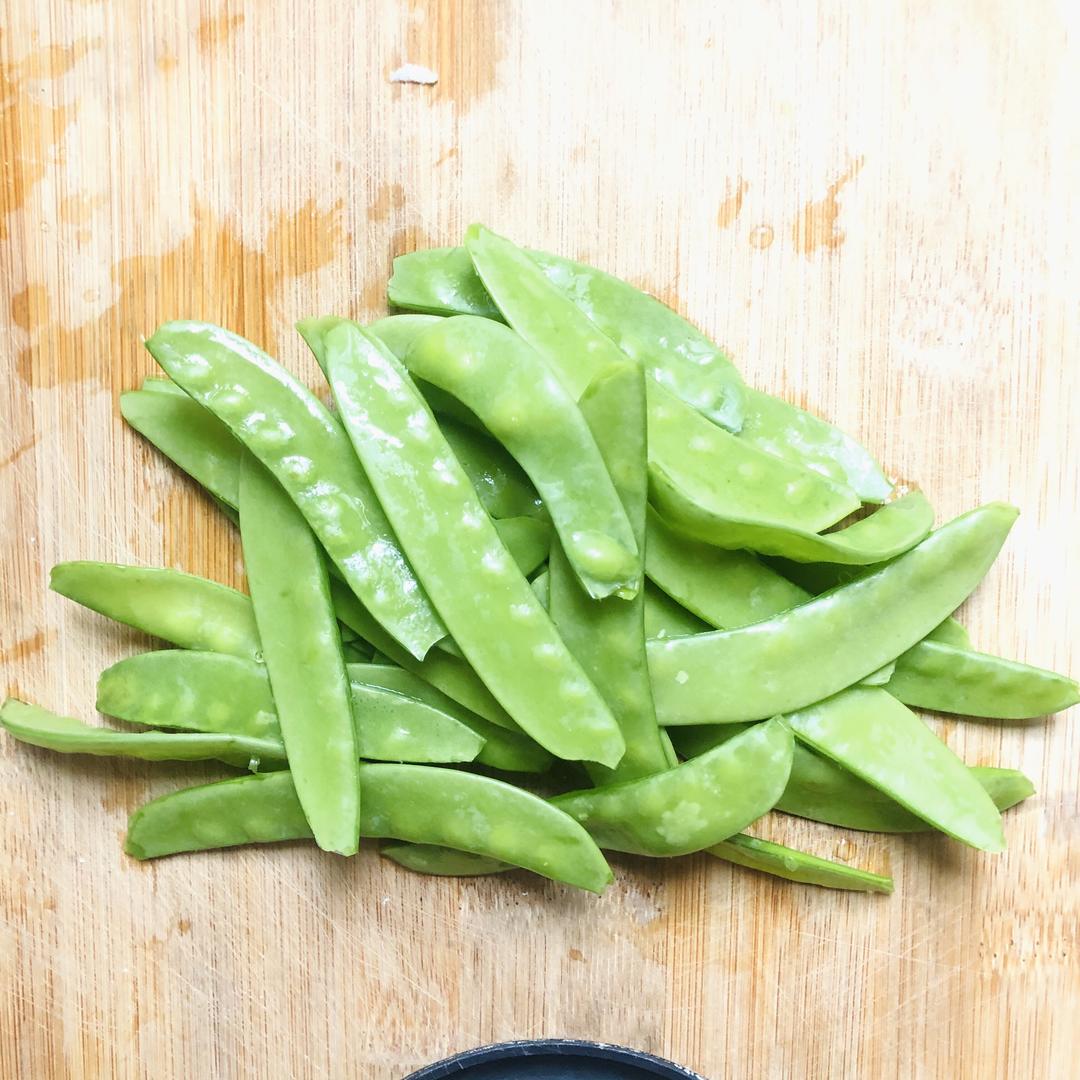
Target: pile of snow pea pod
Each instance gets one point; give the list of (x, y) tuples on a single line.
[(545, 579)]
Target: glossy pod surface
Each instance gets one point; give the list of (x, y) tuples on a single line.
[(417, 803), (694, 805), (809, 653), (291, 432), (519, 656)]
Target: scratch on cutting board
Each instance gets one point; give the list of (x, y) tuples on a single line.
[(414, 73)]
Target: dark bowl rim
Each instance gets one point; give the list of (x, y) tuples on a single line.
[(456, 1065)]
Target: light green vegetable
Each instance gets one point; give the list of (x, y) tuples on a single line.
[(440, 861), (417, 803), (446, 533), (301, 647)]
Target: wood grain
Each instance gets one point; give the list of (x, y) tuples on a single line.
[(872, 205)]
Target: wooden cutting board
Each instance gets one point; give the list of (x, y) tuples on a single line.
[(871, 205)]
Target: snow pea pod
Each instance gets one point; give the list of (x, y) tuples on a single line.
[(786, 431), (417, 803), (692, 367), (39, 727), (509, 387), (517, 651), (503, 487), (208, 692), (290, 593), (822, 790), (800, 866), (439, 281), (807, 654), (880, 740), (291, 432), (694, 805), (608, 636), (188, 611), (888, 532), (711, 464), (440, 861), (155, 385), (188, 434), (938, 676), (664, 618)]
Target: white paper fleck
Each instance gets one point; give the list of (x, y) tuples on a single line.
[(414, 73)]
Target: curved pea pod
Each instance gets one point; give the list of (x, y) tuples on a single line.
[(792, 865), (822, 790), (696, 804), (786, 431), (591, 303), (440, 861), (883, 535), (813, 651), (509, 387), (188, 434), (39, 727), (439, 281), (724, 588), (510, 751), (417, 803), (293, 434), (208, 692), (290, 593), (515, 650), (884, 743), (730, 482), (938, 676), (187, 610)]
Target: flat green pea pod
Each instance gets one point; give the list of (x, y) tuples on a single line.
[(822, 790), (732, 484), (694, 805), (39, 727), (187, 610), (443, 280), (510, 751), (726, 589), (731, 475), (503, 487), (608, 636), (792, 865), (510, 388), (956, 680), (290, 592), (418, 803), (155, 385), (665, 618), (526, 539), (666, 346), (791, 433), (440, 861), (883, 535), (811, 652), (292, 433), (188, 434), (208, 692), (426, 494), (884, 743)]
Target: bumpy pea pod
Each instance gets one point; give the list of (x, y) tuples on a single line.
[(938, 676), (822, 790), (780, 861), (207, 692), (813, 651), (730, 475), (444, 281), (417, 803), (888, 532), (427, 495), (608, 636), (694, 805), (188, 611), (290, 593), (291, 432), (188, 434), (509, 387), (39, 727), (874, 736)]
